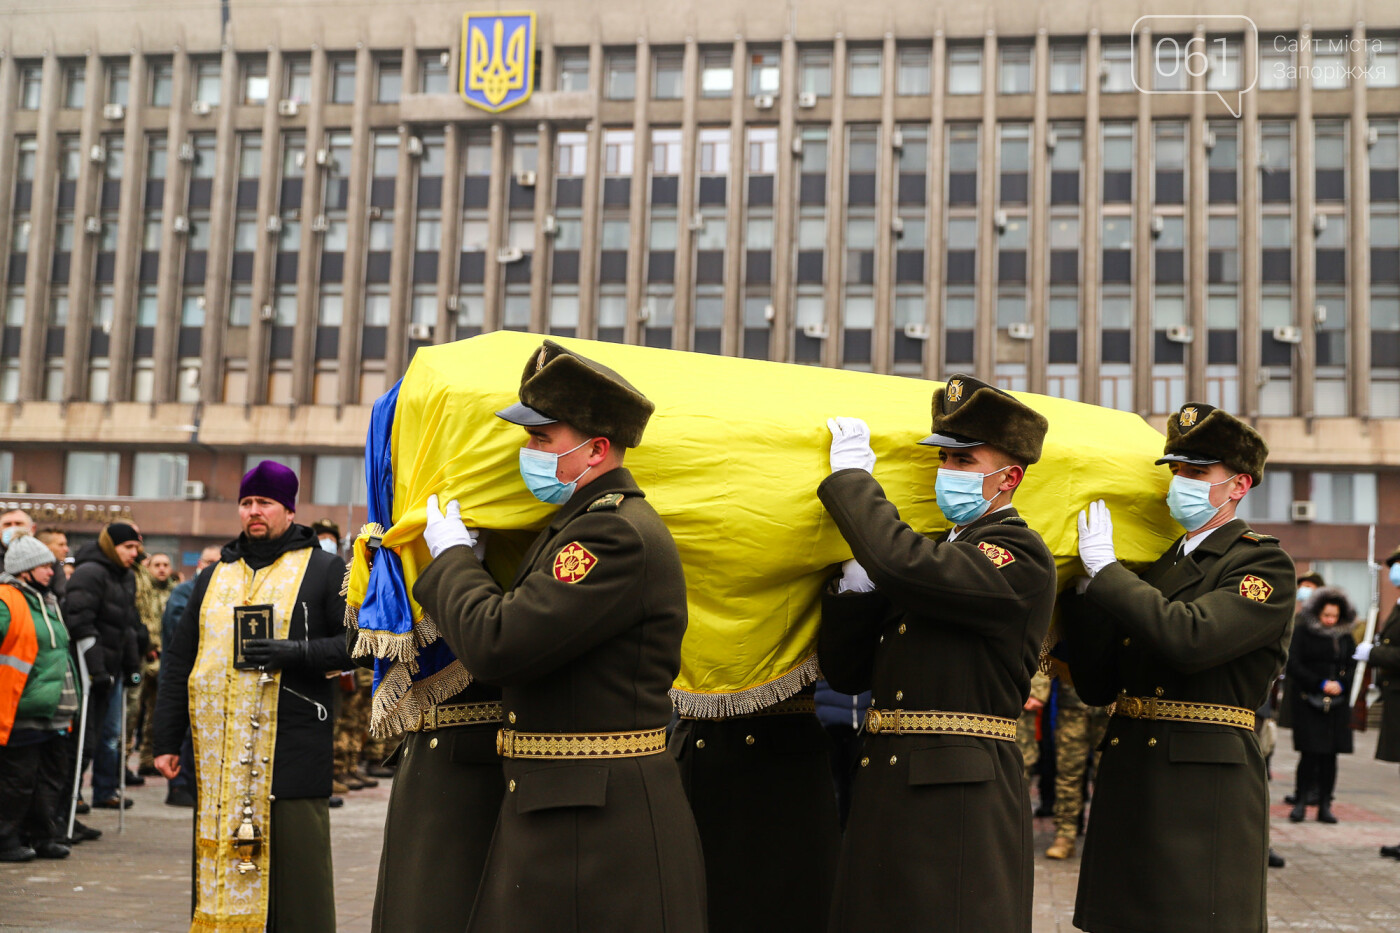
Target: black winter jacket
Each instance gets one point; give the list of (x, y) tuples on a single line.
[(305, 717), (100, 601)]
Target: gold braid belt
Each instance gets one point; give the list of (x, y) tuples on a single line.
[(512, 744), (1183, 711), (906, 722), (445, 715)]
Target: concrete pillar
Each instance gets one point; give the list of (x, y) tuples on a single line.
[(881, 343), (170, 280), (784, 212), (1039, 216), (682, 328), (986, 334), (39, 261), (1358, 236), (1197, 233), (1091, 231), (731, 334), (833, 298), (265, 257), (1250, 349), (935, 248), (1304, 245), (78, 334), (1143, 272), (352, 282), (223, 213), (640, 198)]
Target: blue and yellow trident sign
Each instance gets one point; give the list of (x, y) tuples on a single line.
[(498, 59)]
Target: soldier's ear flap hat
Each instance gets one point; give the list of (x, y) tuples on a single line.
[(968, 412), (1202, 434), (559, 385)]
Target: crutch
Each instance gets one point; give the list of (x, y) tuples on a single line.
[(84, 685), (121, 760)]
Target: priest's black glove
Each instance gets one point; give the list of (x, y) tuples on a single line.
[(275, 654)]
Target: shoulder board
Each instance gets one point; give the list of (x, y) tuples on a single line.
[(611, 501), (1014, 520), (1257, 538)]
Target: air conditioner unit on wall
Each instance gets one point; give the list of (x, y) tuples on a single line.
[(1180, 334), (551, 225), (1302, 511), (97, 154), (916, 331), (815, 331), (185, 153), (93, 225), (1288, 334), (420, 332), (1021, 330), (763, 101), (287, 108), (113, 112), (19, 488), (807, 100), (194, 489), (510, 254), (201, 108), (415, 146), (180, 224)]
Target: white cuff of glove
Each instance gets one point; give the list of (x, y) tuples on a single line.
[(854, 579), (1363, 652)]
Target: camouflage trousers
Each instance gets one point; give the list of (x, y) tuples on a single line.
[(1078, 730), (351, 728), (1025, 741), (140, 716)]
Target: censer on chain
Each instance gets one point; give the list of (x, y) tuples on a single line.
[(247, 838)]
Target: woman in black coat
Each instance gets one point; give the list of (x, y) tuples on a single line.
[(1320, 671)]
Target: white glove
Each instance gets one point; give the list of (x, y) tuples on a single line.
[(850, 445), (854, 579), (445, 531), (1363, 651), (1096, 538)]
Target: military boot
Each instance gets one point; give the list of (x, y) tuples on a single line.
[(1062, 847)]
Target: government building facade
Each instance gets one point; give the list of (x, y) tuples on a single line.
[(227, 227)]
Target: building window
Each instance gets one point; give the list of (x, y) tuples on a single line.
[(621, 76), (573, 70), (162, 83), (31, 83), (1276, 67), (1223, 64), (1116, 67), (159, 476), (863, 69), (1016, 69), (1331, 61), (298, 72), (434, 76), (814, 66), (764, 72), (668, 76), (91, 473), (1383, 62), (666, 152), (912, 79), (388, 81), (339, 480), (208, 82), (1269, 502), (1066, 68), (716, 73), (618, 148), (342, 80), (74, 85), (964, 69), (255, 81), (1344, 498)]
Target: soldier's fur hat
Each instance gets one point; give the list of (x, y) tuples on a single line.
[(1201, 434), (560, 385), (968, 412)]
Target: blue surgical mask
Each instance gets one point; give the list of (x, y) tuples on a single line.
[(328, 545), (540, 472), (1304, 592), (1395, 574), (7, 535), (959, 495), (1189, 501)]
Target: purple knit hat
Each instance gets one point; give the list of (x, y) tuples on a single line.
[(271, 480)]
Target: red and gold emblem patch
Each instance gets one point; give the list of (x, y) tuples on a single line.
[(999, 556), (1252, 587), (573, 563)]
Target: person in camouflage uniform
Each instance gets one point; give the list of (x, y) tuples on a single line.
[(1025, 724), (154, 581), (351, 727), (1079, 728)]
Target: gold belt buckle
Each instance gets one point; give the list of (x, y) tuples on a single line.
[(427, 720), (504, 743), (877, 721)]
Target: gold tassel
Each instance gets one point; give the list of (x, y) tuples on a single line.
[(745, 702)]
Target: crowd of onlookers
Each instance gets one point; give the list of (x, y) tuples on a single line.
[(102, 614)]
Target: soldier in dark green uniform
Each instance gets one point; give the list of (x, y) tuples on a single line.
[(1178, 833), (763, 776), (1384, 658), (946, 633), (594, 831)]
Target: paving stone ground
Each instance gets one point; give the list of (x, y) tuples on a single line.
[(139, 879)]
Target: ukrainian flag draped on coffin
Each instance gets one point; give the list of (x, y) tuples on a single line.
[(731, 461)]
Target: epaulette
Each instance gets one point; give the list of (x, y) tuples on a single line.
[(1257, 538), (1014, 520), (611, 501)]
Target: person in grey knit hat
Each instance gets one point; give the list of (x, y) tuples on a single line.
[(35, 764)]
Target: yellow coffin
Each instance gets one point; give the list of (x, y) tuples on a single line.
[(731, 460)]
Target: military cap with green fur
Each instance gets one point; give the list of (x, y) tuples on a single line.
[(1314, 578), (560, 385), (968, 412), (1203, 434)]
